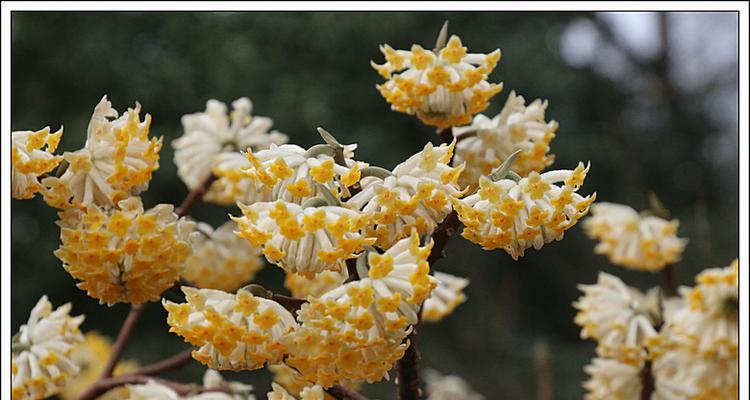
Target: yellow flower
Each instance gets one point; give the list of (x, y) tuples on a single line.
[(516, 127), (445, 298), (116, 162), (41, 364), (645, 243), (31, 157), (221, 260), (233, 331), (518, 215), (308, 393), (124, 255), (443, 88)]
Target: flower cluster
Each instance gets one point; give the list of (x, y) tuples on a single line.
[(442, 88), (116, 162), (232, 331), (220, 259), (415, 195), (216, 388), (308, 393), (41, 366), (487, 142), (125, 254), (304, 240), (31, 157), (447, 295), (357, 331), (212, 142), (516, 215), (612, 379), (646, 243)]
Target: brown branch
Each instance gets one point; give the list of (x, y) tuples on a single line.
[(291, 304), (135, 314), (344, 393), (195, 195), (647, 381), (443, 233), (180, 388), (669, 283), (408, 375), (176, 361)]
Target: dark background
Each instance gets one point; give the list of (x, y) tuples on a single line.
[(650, 100)]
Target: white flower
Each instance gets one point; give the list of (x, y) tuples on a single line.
[(308, 393), (445, 297), (115, 163), (213, 142), (304, 240), (31, 157), (220, 259), (706, 320), (645, 243), (126, 254), (294, 174), (518, 215), (517, 127), (40, 365), (443, 89), (448, 387), (612, 380), (357, 331), (153, 390), (415, 195), (233, 331), (620, 318)]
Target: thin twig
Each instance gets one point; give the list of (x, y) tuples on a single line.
[(180, 388), (176, 361), (669, 282), (647, 381), (135, 314), (194, 196), (408, 375), (344, 393)]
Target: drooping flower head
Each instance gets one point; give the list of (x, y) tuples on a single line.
[(90, 357), (233, 331), (646, 243), (448, 295), (213, 142), (357, 331), (621, 319), (442, 87), (126, 254), (220, 259), (611, 379), (517, 127), (516, 215), (416, 194), (41, 366), (31, 157), (304, 240), (115, 163)]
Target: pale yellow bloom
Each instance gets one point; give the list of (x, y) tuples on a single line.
[(517, 127), (448, 387), (445, 298), (41, 364), (115, 163), (304, 240), (31, 157), (91, 356), (221, 260), (309, 393), (127, 254), (620, 318), (611, 379), (645, 243), (153, 390), (443, 88), (302, 286), (515, 216), (416, 194), (233, 331)]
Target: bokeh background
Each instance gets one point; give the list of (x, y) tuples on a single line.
[(649, 99)]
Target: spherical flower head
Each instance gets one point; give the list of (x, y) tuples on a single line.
[(517, 127), (126, 254), (442, 88), (309, 393), (115, 163), (304, 240), (41, 366), (680, 373), (448, 387), (634, 241), (90, 357), (294, 174), (620, 318), (448, 295), (221, 260), (611, 379), (357, 331), (31, 157), (516, 215), (415, 195), (706, 320), (213, 141), (233, 331)]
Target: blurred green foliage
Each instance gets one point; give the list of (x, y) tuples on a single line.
[(312, 69)]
